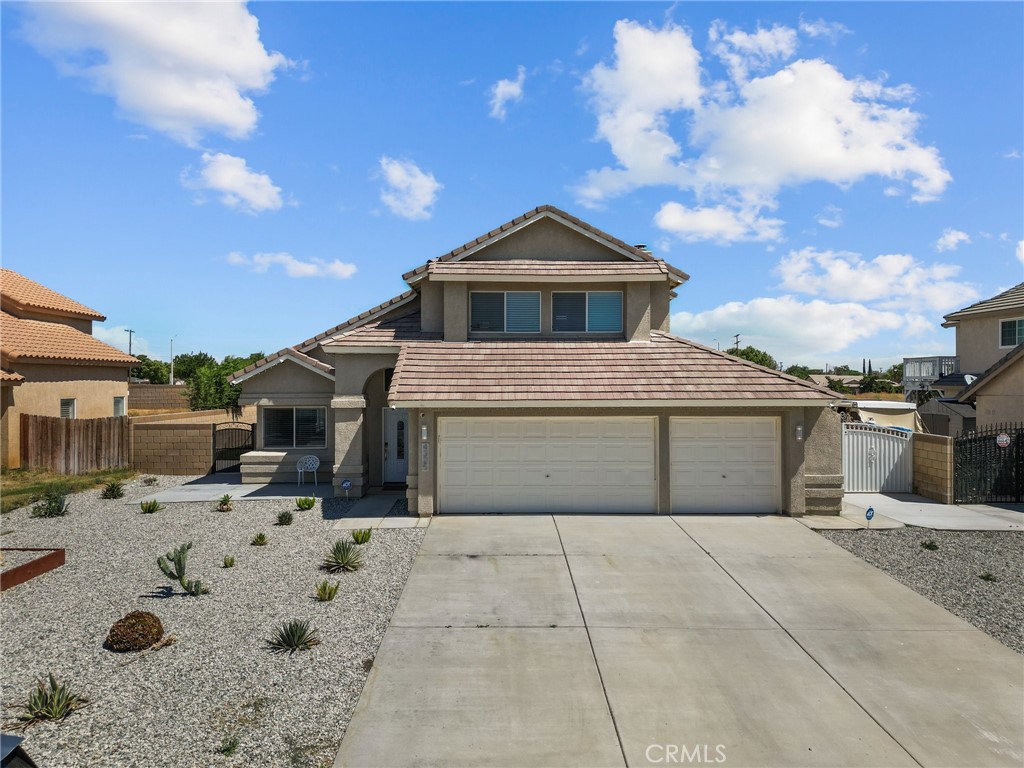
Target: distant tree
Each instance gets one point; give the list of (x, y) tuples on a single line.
[(755, 355), (154, 371), (800, 371), (869, 367), (186, 365), (209, 387), (894, 373), (874, 383), (837, 385), (863, 365), (844, 370)]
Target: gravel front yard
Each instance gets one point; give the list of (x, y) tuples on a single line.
[(950, 574), (178, 706)]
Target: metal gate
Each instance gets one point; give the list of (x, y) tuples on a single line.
[(230, 440), (988, 465), (877, 459)]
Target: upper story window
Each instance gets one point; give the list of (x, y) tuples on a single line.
[(67, 408), (119, 406), (504, 311), (1011, 332), (294, 427), (586, 312)]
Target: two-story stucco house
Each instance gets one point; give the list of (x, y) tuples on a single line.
[(532, 370), (50, 363)]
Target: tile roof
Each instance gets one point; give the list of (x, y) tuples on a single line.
[(290, 352), (667, 369), (18, 292), (30, 340), (10, 377), (387, 332), (548, 269), (539, 212), (1014, 355), (1009, 299)]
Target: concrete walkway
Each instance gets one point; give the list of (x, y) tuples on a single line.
[(213, 487), (925, 513), (604, 641), (375, 511)]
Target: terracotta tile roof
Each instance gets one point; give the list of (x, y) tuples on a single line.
[(290, 352), (18, 292), (578, 370), (387, 332), (540, 211), (10, 377), (1009, 299), (548, 269), (30, 340)]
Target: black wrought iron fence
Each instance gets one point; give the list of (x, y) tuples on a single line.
[(988, 465), (230, 441)]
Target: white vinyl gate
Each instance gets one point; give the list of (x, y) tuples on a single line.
[(877, 459)]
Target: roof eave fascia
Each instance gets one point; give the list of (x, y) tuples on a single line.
[(584, 404), (278, 361), (360, 323), (555, 278), (357, 349)]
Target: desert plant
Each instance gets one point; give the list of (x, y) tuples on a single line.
[(344, 556), (930, 545), (284, 518), (229, 561), (361, 535), (150, 506), (229, 745), (113, 490), (224, 505), (54, 502), (173, 565), (259, 540), (136, 631), (325, 591), (305, 502), (150, 480), (50, 701), (986, 576), (292, 636)]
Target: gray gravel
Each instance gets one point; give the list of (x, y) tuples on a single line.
[(176, 706), (950, 575)]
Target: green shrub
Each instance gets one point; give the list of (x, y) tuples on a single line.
[(150, 506), (224, 505), (292, 636), (325, 591), (361, 535), (50, 701), (344, 556), (229, 561), (150, 480), (986, 576), (174, 563), (113, 490), (134, 632), (229, 745), (284, 518), (305, 502), (930, 545), (54, 502), (259, 540)]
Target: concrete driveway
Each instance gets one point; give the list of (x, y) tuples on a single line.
[(607, 641)]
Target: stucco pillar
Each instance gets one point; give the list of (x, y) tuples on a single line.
[(793, 498), (638, 311), (412, 479), (349, 459), (664, 464), (426, 458), (456, 312)]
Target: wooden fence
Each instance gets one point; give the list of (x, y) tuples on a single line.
[(74, 446)]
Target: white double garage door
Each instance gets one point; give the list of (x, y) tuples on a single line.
[(606, 464)]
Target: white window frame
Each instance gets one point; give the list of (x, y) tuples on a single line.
[(124, 405), (292, 408), (586, 311), (73, 407), (999, 332), (504, 313)]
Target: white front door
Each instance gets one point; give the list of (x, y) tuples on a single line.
[(396, 445)]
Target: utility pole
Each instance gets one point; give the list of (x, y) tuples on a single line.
[(172, 357), (129, 331), (737, 337), (718, 345)]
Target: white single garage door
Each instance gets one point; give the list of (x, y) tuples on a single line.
[(546, 464), (725, 465)]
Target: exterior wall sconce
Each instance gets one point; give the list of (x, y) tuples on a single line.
[(424, 433), (798, 433)]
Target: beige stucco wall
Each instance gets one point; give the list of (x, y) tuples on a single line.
[(933, 467), (660, 299), (93, 388), (431, 306), (1002, 400), (977, 340), (546, 239)]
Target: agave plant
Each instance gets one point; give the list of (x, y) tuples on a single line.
[(150, 506), (361, 535), (284, 518), (50, 701), (305, 502), (224, 505), (54, 502), (344, 556), (259, 540), (292, 636), (150, 480), (113, 490), (326, 591), (229, 561)]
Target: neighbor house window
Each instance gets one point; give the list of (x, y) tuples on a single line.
[(294, 427), (119, 406), (586, 312), (504, 311), (1011, 332), (67, 408)]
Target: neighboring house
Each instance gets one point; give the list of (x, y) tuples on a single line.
[(947, 416), (531, 370), (998, 394), (50, 364)]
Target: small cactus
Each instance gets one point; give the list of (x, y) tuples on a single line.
[(173, 565)]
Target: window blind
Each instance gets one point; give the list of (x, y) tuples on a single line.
[(569, 312), (522, 312), (604, 311), (487, 311)]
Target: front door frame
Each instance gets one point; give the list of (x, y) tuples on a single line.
[(394, 469)]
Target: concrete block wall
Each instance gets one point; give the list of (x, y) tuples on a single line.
[(933, 467), (172, 449), (152, 397)]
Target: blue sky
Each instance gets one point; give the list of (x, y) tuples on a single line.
[(835, 177)]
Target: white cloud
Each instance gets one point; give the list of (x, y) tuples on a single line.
[(409, 191), (117, 336), (889, 281), (1020, 251), (262, 262), (742, 51), (505, 91), (831, 216), (1013, 154), (833, 30), (950, 239), (718, 223), (238, 185), (183, 69)]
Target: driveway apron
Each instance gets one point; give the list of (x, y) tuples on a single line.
[(606, 641)]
